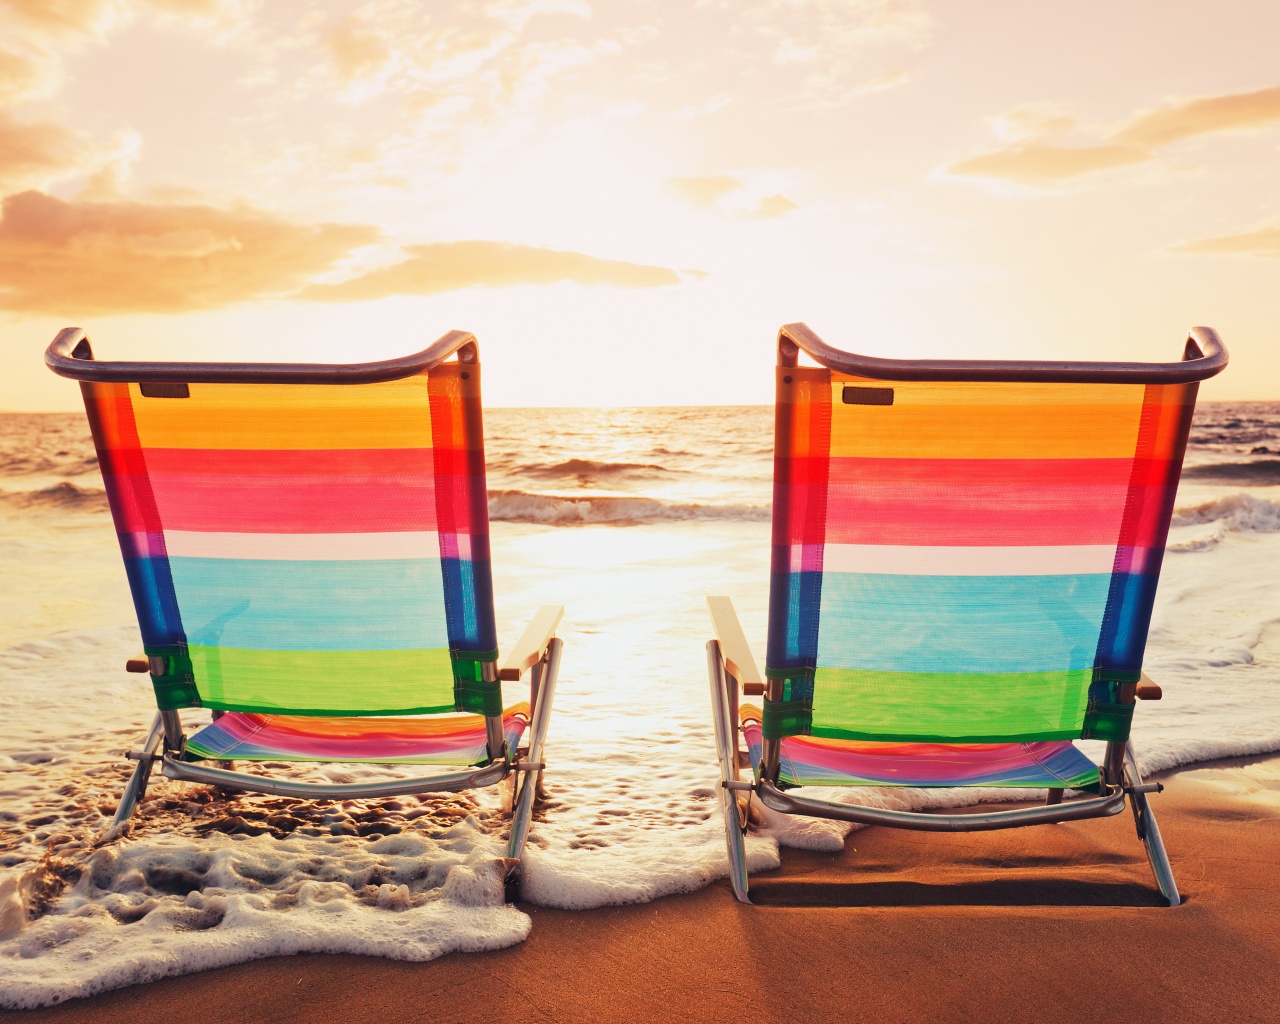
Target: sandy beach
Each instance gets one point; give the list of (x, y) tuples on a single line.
[(1039, 924)]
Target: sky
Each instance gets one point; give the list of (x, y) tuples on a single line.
[(624, 199)]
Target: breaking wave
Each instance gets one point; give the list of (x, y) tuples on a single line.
[(62, 495), (590, 472), (1232, 514), (1260, 473), (512, 506)]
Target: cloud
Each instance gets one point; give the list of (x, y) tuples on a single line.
[(1263, 241), (811, 30), (881, 83), (68, 16), (1042, 164), (1241, 111), (35, 153), (484, 52), (448, 266), (703, 192), (24, 74), (357, 51), (730, 196), (97, 17), (1030, 158), (773, 206), (76, 259), (826, 42)]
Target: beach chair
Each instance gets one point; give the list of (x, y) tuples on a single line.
[(965, 556), (308, 551)]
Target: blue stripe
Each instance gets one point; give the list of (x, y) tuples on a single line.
[(1124, 633), (385, 604), (794, 599), (151, 585), (961, 623), (468, 587)]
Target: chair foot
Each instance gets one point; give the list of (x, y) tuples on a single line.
[(511, 883), (735, 839), (134, 792), (1149, 832), (726, 734), (530, 784), (136, 789)]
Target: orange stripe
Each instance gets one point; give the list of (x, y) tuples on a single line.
[(394, 414), (960, 420), (355, 728)]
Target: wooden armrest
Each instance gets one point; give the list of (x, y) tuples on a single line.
[(1147, 690), (529, 648), (139, 664), (733, 645)]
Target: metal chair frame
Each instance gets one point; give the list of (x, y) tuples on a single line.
[(732, 670), (538, 651)]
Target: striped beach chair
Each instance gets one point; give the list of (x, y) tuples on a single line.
[(965, 556), (308, 551)]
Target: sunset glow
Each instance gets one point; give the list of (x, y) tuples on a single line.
[(625, 200)]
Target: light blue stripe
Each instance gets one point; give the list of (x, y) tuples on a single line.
[(360, 605), (961, 623)]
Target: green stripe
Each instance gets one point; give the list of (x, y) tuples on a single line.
[(946, 707), (324, 682), (176, 688), (785, 718), (908, 737), (1108, 721), (280, 709)]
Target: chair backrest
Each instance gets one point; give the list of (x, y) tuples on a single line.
[(302, 547), (968, 552)]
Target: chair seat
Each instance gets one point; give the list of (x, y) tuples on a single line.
[(431, 739), (816, 761)]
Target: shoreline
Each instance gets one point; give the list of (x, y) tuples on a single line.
[(1044, 923)]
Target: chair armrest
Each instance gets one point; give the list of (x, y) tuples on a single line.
[(1148, 690), (733, 645), (532, 644)]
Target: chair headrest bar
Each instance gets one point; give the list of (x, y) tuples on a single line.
[(1204, 355), (71, 355)]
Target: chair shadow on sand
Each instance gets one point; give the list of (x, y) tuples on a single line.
[(1020, 892)]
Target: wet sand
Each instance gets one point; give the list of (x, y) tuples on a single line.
[(1051, 923)]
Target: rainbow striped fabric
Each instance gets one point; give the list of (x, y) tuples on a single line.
[(816, 761), (310, 549), (960, 562), (446, 739)]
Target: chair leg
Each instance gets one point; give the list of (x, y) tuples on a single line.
[(726, 750), (522, 808), (1149, 832), (137, 786)]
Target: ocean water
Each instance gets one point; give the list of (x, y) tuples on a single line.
[(628, 517)]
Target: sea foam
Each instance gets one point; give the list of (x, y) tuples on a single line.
[(161, 906)]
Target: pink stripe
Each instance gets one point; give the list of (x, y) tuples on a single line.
[(245, 735), (919, 763), (987, 502), (313, 491), (216, 504)]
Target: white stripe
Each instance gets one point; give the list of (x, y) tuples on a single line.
[(342, 547), (909, 560)]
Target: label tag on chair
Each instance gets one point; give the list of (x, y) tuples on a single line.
[(166, 389), (868, 396)]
